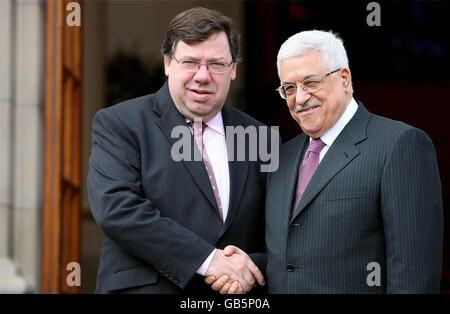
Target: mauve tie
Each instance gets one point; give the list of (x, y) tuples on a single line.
[(307, 168)]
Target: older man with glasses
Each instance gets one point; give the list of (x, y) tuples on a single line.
[(363, 209), (356, 204)]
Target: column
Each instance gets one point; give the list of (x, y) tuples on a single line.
[(28, 139)]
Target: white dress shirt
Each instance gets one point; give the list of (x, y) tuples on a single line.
[(329, 136)]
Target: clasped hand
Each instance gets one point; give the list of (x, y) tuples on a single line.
[(232, 271)]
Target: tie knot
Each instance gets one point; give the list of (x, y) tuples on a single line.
[(316, 145), (196, 126)]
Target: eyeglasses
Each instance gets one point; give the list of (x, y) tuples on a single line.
[(310, 85), (213, 67)]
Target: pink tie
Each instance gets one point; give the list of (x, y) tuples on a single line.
[(307, 168), (198, 137)]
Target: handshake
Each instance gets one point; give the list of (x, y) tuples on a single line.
[(232, 272)]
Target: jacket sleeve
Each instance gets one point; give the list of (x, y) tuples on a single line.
[(115, 194), (412, 211)]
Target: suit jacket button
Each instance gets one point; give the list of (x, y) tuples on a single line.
[(290, 267)]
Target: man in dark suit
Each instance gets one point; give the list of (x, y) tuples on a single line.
[(165, 220), (368, 218), (355, 205)]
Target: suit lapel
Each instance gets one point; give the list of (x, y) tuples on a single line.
[(238, 169), (238, 177), (340, 154), (170, 118), (291, 175)]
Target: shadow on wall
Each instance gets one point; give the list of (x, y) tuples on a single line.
[(129, 77)]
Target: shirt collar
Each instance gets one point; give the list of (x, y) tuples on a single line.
[(215, 123), (329, 136)]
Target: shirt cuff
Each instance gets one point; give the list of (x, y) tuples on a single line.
[(202, 270)]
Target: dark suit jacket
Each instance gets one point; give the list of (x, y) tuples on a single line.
[(159, 217), (375, 197)]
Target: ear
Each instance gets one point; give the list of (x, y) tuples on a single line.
[(233, 71), (346, 78), (166, 65)]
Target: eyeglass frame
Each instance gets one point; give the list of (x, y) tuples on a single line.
[(206, 63), (321, 78)]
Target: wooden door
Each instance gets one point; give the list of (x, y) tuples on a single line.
[(62, 185)]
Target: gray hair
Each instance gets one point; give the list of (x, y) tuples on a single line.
[(330, 46)]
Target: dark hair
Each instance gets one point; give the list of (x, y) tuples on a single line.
[(196, 25)]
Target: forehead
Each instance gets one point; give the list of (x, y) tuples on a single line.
[(214, 47), (301, 67)]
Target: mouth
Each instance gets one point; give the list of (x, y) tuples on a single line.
[(200, 91), (200, 94), (300, 109)]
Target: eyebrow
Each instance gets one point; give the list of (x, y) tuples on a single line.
[(189, 57), (304, 78)]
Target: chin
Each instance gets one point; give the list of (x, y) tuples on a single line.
[(200, 109), (310, 133)]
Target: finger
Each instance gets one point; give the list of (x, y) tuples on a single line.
[(241, 281), (248, 277), (244, 284), (242, 274), (219, 283), (256, 273), (235, 288), (210, 279), (225, 288), (230, 250)]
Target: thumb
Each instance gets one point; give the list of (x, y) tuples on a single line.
[(230, 250), (210, 279)]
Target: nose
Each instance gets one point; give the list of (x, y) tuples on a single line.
[(202, 75), (301, 96)]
